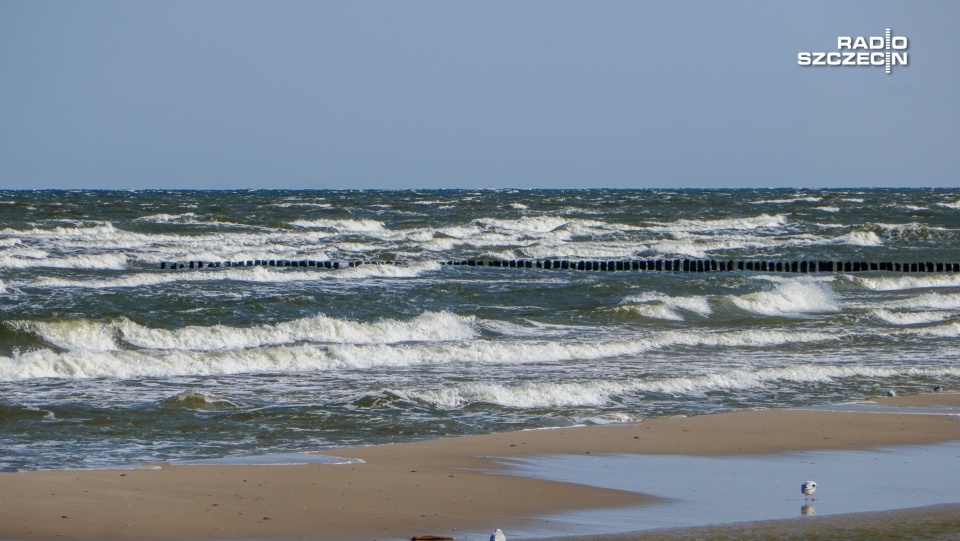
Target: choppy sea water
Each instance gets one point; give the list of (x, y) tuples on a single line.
[(105, 359)]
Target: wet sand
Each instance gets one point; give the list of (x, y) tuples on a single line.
[(439, 487)]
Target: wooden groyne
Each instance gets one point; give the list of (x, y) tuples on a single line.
[(614, 265)]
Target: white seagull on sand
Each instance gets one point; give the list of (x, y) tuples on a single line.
[(498, 536), (808, 488)]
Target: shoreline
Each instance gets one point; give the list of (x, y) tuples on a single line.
[(929, 523), (439, 487)]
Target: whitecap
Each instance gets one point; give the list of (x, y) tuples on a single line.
[(427, 327), (860, 238), (92, 261), (666, 307), (763, 221), (366, 226), (123, 364), (74, 334), (790, 298), (86, 335), (900, 283), (932, 300), (602, 392), (950, 204), (909, 318)]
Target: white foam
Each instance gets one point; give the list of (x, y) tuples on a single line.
[(532, 395), (950, 204), (95, 231), (534, 225), (85, 335), (613, 418), (910, 318), (860, 238), (367, 226), (74, 334), (927, 301), (580, 250), (794, 297), (949, 330), (788, 201), (93, 261), (430, 326), (247, 274), (308, 358), (304, 205), (763, 221), (602, 392), (169, 218), (215, 246), (908, 282), (388, 271), (660, 306)]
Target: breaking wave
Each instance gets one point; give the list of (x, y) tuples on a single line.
[(96, 262), (598, 393), (929, 301), (124, 364), (789, 299), (366, 226), (84, 335), (910, 318), (902, 283), (666, 307), (763, 221)]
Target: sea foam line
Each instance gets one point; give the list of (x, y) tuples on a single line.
[(602, 392), (85, 335), (308, 358)]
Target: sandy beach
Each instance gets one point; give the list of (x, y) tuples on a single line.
[(444, 486)]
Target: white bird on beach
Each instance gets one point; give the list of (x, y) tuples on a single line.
[(498, 536), (808, 488)]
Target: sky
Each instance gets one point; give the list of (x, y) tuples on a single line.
[(472, 94)]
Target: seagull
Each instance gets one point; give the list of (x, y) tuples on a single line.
[(808, 488), (498, 536)]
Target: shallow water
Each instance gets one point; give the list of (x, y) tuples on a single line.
[(701, 491), (107, 360)]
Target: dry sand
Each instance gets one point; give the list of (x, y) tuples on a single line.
[(432, 487)]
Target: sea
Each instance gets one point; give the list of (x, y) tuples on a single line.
[(108, 360)]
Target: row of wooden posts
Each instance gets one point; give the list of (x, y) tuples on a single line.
[(662, 265)]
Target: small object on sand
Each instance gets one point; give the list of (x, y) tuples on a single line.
[(891, 392), (430, 538), (937, 388), (808, 488), (498, 536)]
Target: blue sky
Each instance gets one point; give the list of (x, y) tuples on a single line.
[(440, 94)]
